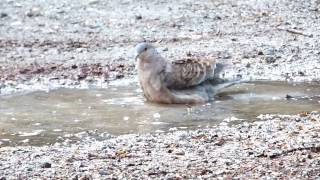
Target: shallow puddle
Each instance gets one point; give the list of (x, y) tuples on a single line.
[(46, 117)]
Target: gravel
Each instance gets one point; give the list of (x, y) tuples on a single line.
[(276, 146), (61, 43), (70, 43)]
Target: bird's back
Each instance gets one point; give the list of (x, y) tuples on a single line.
[(189, 72)]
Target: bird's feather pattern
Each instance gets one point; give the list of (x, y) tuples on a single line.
[(187, 81), (189, 72)]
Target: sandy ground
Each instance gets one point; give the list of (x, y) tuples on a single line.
[(65, 42), (68, 43)]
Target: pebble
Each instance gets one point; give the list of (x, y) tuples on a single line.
[(103, 172), (46, 165), (138, 17), (269, 51), (180, 152), (3, 15), (270, 59), (35, 11)]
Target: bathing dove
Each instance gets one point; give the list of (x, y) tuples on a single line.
[(186, 81)]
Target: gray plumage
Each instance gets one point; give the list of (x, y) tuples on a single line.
[(186, 81)]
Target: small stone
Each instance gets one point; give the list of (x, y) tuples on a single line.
[(173, 24), (85, 177), (220, 142), (270, 59), (35, 11), (217, 18), (82, 76), (165, 49), (29, 169), (138, 17), (206, 171), (46, 165), (301, 73), (3, 15), (269, 51), (74, 66), (180, 153), (226, 56), (103, 172), (174, 39), (245, 56)]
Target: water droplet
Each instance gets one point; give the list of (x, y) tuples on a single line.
[(156, 115), (25, 141), (57, 130)]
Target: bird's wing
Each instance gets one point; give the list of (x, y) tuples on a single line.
[(189, 72)]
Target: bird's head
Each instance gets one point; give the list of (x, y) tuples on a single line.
[(143, 49)]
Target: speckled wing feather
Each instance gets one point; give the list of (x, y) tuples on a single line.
[(189, 72)]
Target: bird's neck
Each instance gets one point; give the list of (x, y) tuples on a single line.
[(148, 69), (149, 73), (151, 79)]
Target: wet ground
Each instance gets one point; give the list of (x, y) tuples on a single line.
[(45, 45), (40, 118)]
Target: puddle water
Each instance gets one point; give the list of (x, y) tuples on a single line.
[(44, 117)]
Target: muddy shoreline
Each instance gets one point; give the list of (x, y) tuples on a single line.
[(46, 45)]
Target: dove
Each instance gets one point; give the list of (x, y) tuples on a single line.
[(186, 81)]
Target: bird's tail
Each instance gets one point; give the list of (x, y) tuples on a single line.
[(216, 85), (217, 70), (226, 84)]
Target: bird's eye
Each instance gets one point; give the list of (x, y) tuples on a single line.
[(145, 49)]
